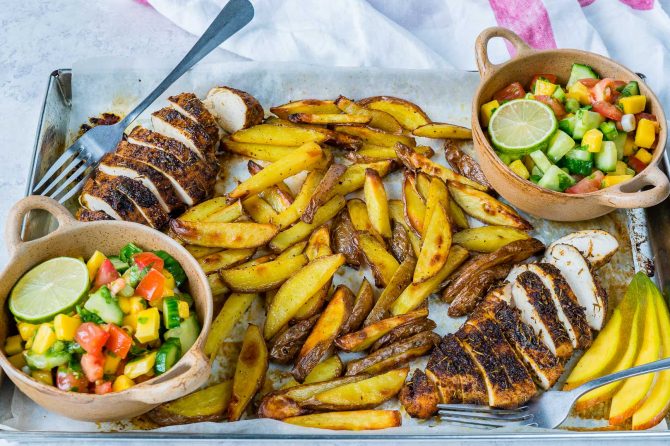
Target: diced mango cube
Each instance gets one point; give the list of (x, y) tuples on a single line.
[(633, 104), (13, 345), (111, 363), (579, 92), (140, 366), (544, 88), (124, 304), (593, 139), (66, 326), (94, 263), (183, 309), (621, 168), (43, 376), (520, 169), (645, 134), (130, 322), (148, 322), (487, 110), (44, 339), (137, 304), (644, 156), (122, 382), (611, 180), (17, 360), (629, 146), (26, 330)]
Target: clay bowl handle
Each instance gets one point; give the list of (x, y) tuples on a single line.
[(18, 212), (629, 195), (486, 67)]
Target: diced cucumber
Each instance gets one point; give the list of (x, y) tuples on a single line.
[(559, 145), (556, 179), (171, 312), (535, 178), (168, 355), (581, 71), (536, 172), (620, 142), (185, 297), (567, 125), (559, 94), (103, 304), (630, 171), (48, 360), (119, 264), (606, 159), (540, 160), (579, 161), (571, 105), (585, 120), (187, 332), (609, 130), (630, 89)]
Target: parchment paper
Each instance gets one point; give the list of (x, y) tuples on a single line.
[(115, 85)]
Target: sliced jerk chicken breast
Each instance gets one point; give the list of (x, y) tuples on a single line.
[(173, 124), (84, 214), (193, 108), (103, 196), (233, 109)]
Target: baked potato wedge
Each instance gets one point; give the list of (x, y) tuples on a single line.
[(464, 164), (434, 193), (252, 365), (295, 250), (278, 135), (369, 153), (216, 284), (312, 106), (328, 118), (360, 340), (208, 404), (436, 245), (397, 213), (261, 152), (263, 277), (319, 243), (301, 230), (488, 238), (416, 293), (200, 251), (376, 202), (365, 394), (355, 420), (298, 289), (365, 300), (358, 213), (380, 261), (328, 369), (400, 244), (324, 332), (201, 211), (408, 114), (399, 281), (232, 311), (344, 239), (278, 196), (329, 180), (371, 135), (293, 213), (235, 235), (318, 246), (378, 119), (457, 216), (258, 209), (467, 299), (414, 206), (441, 130), (403, 332), (224, 259), (485, 208), (286, 344), (354, 177)]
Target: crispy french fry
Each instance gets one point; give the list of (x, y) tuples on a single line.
[(439, 130), (314, 106), (258, 209), (381, 262), (364, 338), (233, 309), (327, 369), (360, 219), (374, 136), (206, 404), (224, 259), (354, 177), (457, 216), (329, 180), (202, 210), (414, 207), (415, 161), (484, 207), (227, 214), (409, 115), (488, 238), (397, 213), (286, 344), (216, 284), (200, 251), (354, 420), (378, 119), (263, 277), (224, 235), (261, 152), (435, 247), (416, 293), (328, 118), (302, 230), (394, 355), (369, 153), (365, 300), (400, 280), (298, 289), (297, 208), (377, 203), (276, 135), (301, 159), (319, 243), (364, 394), (324, 333), (252, 364)]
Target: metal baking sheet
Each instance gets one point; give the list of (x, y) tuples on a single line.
[(644, 228)]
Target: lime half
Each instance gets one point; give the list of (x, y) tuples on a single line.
[(50, 288), (522, 126)]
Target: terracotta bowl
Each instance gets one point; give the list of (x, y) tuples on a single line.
[(525, 195), (73, 238)]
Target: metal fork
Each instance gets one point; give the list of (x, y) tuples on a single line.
[(68, 174), (547, 410)]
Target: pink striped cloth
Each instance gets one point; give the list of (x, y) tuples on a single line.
[(438, 33)]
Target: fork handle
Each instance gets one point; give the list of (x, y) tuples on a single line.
[(233, 17), (656, 366)]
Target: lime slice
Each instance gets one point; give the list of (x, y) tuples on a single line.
[(522, 126), (50, 288)]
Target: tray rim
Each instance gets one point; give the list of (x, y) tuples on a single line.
[(643, 255)]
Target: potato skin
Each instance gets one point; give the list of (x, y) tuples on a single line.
[(403, 332), (344, 239), (468, 298), (363, 304), (286, 344), (464, 164), (277, 406), (400, 244)]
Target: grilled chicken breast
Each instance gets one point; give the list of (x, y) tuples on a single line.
[(233, 109), (595, 245), (169, 122), (84, 214), (446, 376), (193, 108), (461, 364), (104, 196), (418, 396)]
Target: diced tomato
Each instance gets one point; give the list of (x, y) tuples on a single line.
[(70, 380), (607, 110), (644, 115), (151, 287), (587, 184), (92, 365), (512, 91), (92, 337), (106, 274), (604, 90), (554, 103), (589, 82), (144, 259), (105, 387), (635, 164), (550, 77), (119, 341)]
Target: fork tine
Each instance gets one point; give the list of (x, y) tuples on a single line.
[(77, 187), (481, 409), (487, 416), (73, 176), (66, 171), (71, 151), (486, 424)]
